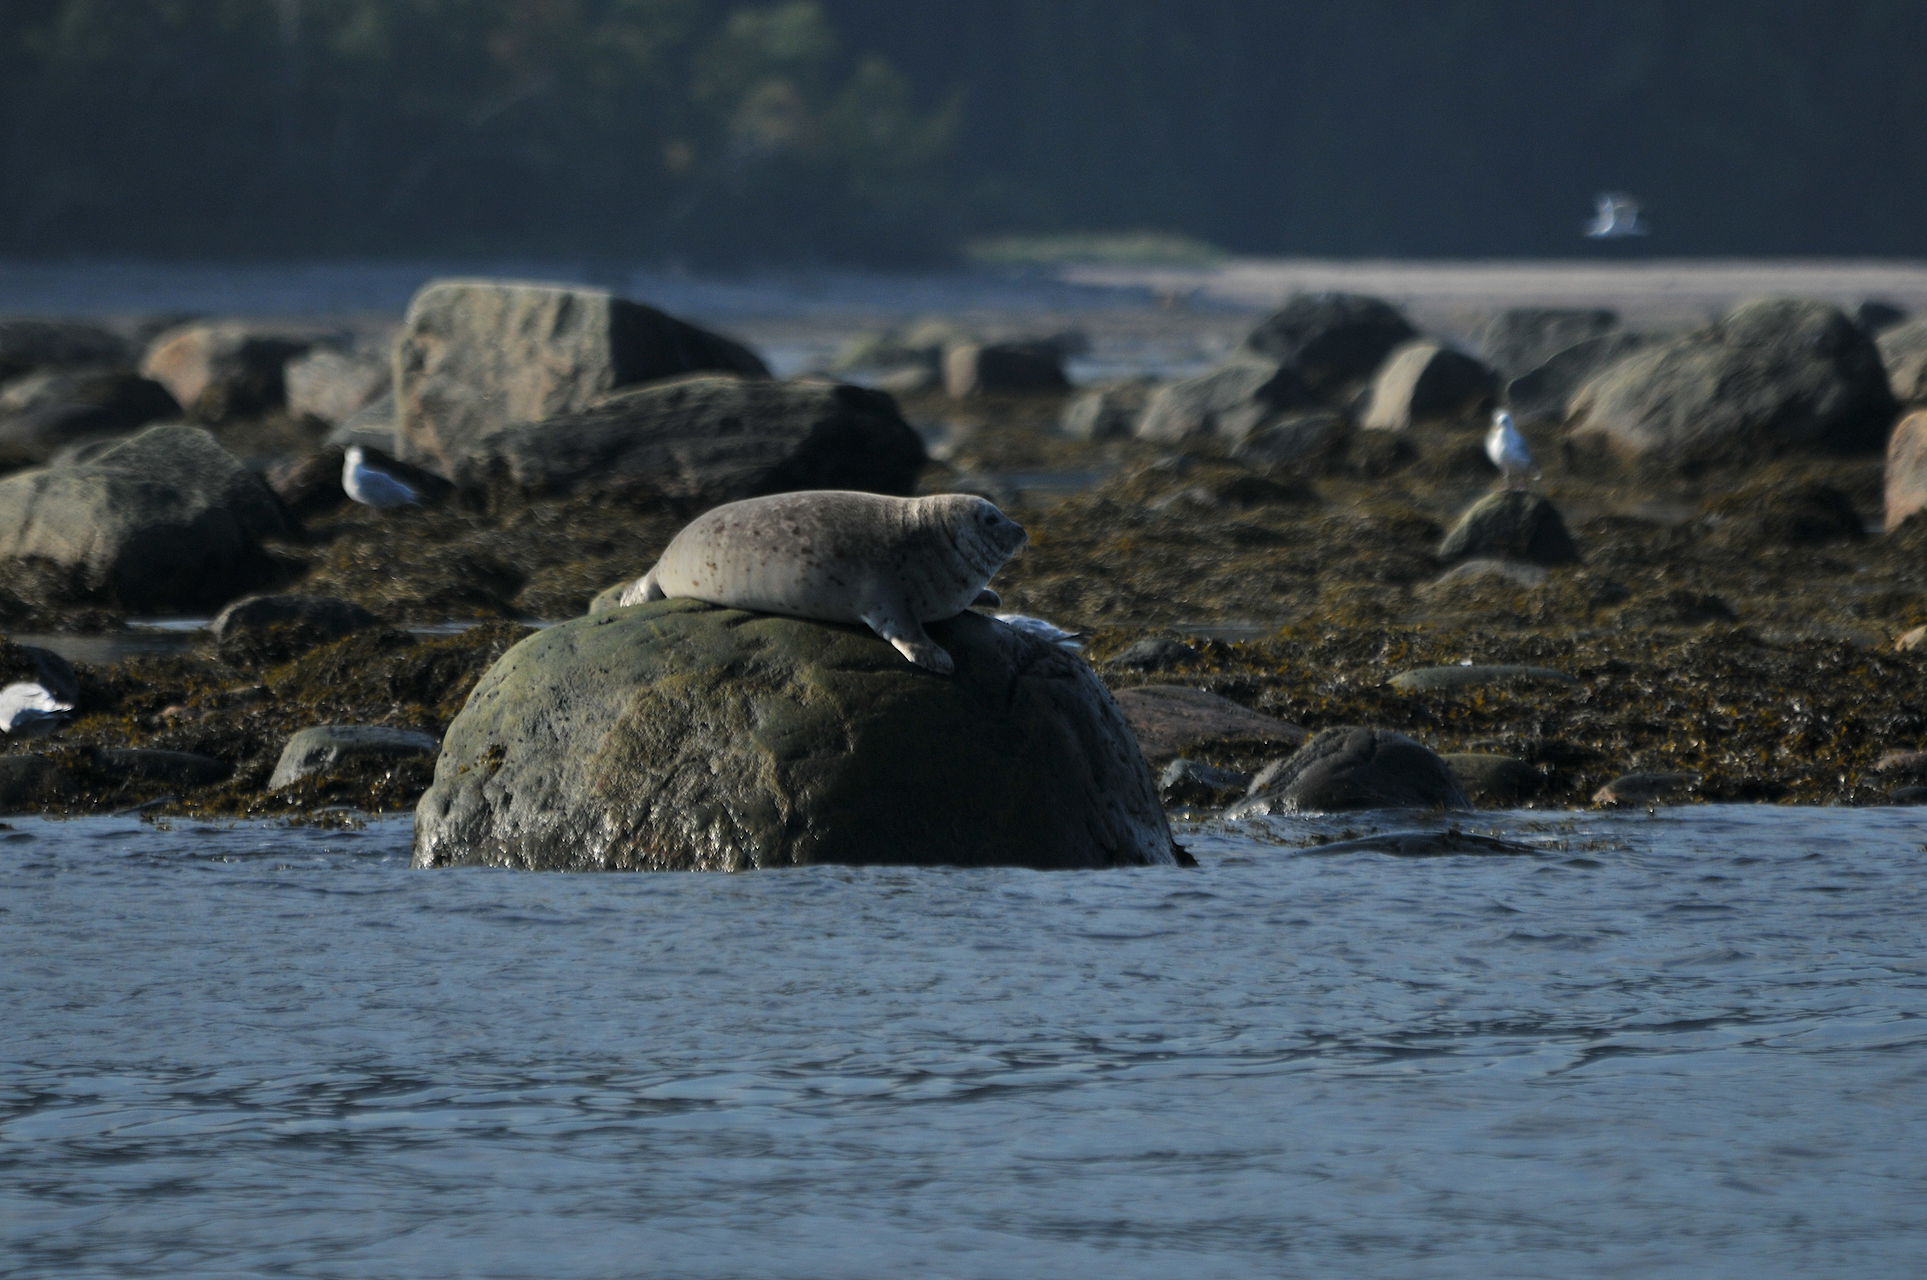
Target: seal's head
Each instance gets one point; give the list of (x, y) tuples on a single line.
[(984, 536)]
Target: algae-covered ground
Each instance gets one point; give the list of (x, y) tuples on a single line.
[(1738, 627)]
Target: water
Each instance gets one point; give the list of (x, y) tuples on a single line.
[(1691, 1044)]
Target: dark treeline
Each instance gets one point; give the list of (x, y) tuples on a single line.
[(717, 131)]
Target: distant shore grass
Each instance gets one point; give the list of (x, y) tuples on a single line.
[(1124, 248)]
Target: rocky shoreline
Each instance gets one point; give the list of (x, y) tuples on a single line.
[(1305, 539)]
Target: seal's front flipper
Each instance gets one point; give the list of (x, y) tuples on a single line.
[(894, 623), (988, 599)]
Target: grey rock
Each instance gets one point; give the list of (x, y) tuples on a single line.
[(478, 355), (325, 748), (1230, 402), (1477, 676), (678, 736), (706, 439), (42, 413), (1192, 782), (973, 369), (1106, 412), (1300, 441), (1493, 779), (1485, 570), (1904, 486), (335, 383), (1877, 315), (1543, 391), (1512, 524), (1422, 381), (1169, 720), (372, 427), (1449, 843), (276, 627), (1353, 768), (224, 369), (1522, 338), (1903, 353), (1332, 341), (1649, 788), (1774, 376), (165, 520), (27, 344)]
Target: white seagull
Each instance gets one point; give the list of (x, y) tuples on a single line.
[(1507, 449), (28, 710), (369, 485), (1615, 215)]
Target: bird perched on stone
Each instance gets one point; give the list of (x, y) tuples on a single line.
[(1508, 451), (371, 486), (28, 710)]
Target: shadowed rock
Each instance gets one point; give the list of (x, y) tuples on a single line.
[(275, 628), (1422, 380), (678, 736), (1331, 340), (973, 369), (1510, 524), (1169, 719), (1543, 391), (224, 370), (326, 747), (1230, 402), (1522, 338), (26, 345), (1353, 768), (44, 412)]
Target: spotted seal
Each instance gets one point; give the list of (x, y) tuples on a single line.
[(892, 564)]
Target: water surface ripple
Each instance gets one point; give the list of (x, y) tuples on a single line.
[(1683, 1045)]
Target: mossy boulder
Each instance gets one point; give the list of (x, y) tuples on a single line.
[(680, 736)]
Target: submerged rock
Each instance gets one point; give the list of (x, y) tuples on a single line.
[(678, 736), (1353, 768), (326, 747), (476, 355), (1192, 782)]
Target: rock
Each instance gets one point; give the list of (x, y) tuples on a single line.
[(29, 783), (1155, 653), (1519, 339), (1774, 376), (170, 768), (1476, 676), (1800, 513), (1512, 523), (1190, 782), (27, 345), (1543, 391), (1230, 402), (1907, 795), (678, 736), (1169, 720), (1877, 315), (706, 439), (1106, 412), (308, 484), (921, 345), (1492, 779), (1646, 788), (44, 412), (1903, 353), (1906, 475), (335, 383), (1482, 571), (1422, 381), (1332, 341), (224, 369), (1353, 768), (326, 748), (1297, 441), (974, 369), (166, 520), (479, 355), (1449, 843), (277, 627)]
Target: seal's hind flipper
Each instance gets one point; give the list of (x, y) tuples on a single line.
[(894, 623), (641, 591)]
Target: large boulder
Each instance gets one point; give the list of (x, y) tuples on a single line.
[(1906, 485), (1332, 340), (165, 520), (705, 439), (26, 345), (224, 369), (1230, 402), (475, 355), (44, 412), (1774, 376), (1522, 338), (1903, 350), (1421, 381), (679, 736), (1353, 768), (1544, 390)]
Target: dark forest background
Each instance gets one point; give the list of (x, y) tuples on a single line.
[(713, 132)]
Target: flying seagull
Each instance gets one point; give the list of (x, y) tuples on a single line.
[(28, 710), (1507, 449), (371, 486), (1615, 215)]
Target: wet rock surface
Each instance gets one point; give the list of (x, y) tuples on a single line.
[(1353, 767)]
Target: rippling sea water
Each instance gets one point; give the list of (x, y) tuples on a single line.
[(1685, 1044)]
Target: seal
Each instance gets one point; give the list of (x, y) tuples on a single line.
[(892, 564)]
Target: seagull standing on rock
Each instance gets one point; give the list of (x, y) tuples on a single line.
[(369, 485), (1507, 449), (28, 710)]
